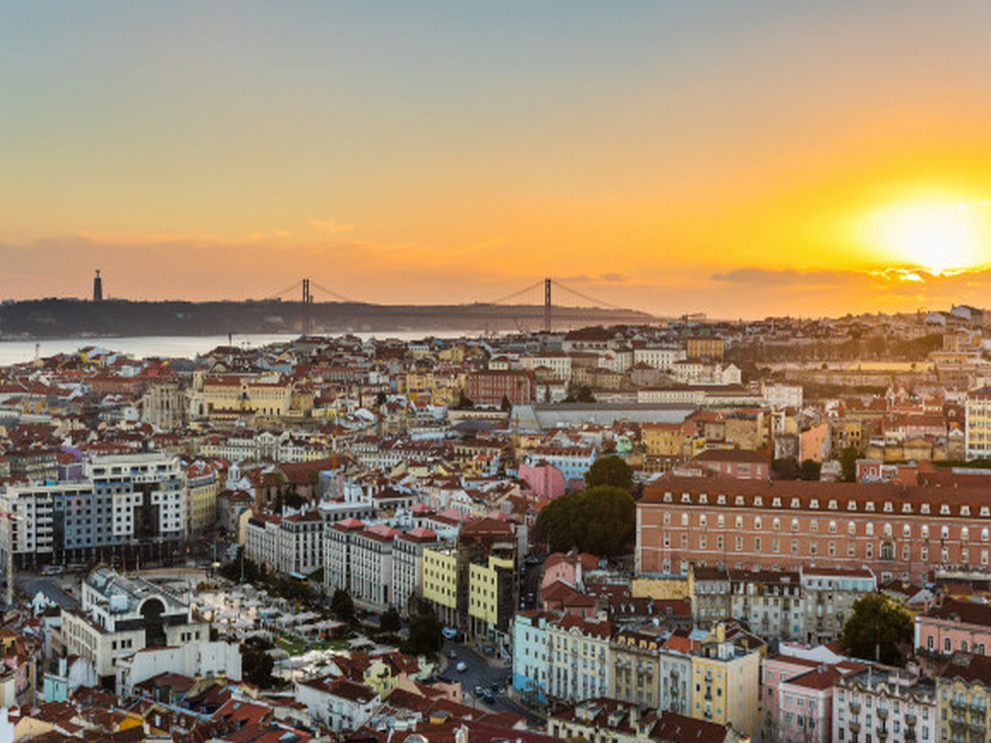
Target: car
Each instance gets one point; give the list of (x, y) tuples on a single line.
[(449, 633), (462, 666), (452, 653), (495, 686), (478, 692), (488, 698)]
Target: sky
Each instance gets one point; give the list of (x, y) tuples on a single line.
[(735, 157)]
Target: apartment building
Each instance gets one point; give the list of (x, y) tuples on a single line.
[(885, 703), (578, 655)]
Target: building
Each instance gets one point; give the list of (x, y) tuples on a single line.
[(726, 682), (604, 719), (203, 486), (636, 662), (407, 566), (828, 596), (530, 656), (954, 627), (440, 582), (129, 506), (885, 703), (491, 387), (962, 696), (578, 655), (893, 530), (121, 615), (977, 428), (371, 567)]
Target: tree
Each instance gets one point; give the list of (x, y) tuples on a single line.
[(390, 621), (877, 625), (610, 470), (342, 606), (810, 470), (505, 406), (585, 394), (424, 635), (600, 520), (256, 665), (848, 461), (464, 402)]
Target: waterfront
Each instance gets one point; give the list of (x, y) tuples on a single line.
[(178, 346)]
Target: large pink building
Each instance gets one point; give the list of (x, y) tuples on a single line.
[(962, 626)]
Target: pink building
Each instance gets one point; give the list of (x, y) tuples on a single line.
[(805, 706), (569, 568), (778, 669), (955, 626), (545, 480)]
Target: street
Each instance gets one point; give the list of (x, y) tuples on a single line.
[(479, 672)]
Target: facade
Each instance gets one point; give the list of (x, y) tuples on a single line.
[(895, 531), (490, 387), (637, 665), (885, 703), (578, 654), (726, 683), (828, 596), (120, 616), (407, 566), (955, 626), (371, 567), (530, 656), (132, 504), (977, 429), (440, 582), (962, 694), (203, 486)]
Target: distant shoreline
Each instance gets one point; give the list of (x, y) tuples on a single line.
[(50, 319)]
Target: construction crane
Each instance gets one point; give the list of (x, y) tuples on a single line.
[(9, 517)]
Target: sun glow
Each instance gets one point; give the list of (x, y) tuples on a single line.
[(936, 236)]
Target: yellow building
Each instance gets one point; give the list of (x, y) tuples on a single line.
[(484, 589), (378, 676), (726, 683), (202, 488), (704, 347), (963, 691), (261, 395), (440, 581)]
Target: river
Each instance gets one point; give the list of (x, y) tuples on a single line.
[(170, 346)]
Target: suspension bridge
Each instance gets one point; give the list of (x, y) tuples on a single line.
[(543, 304)]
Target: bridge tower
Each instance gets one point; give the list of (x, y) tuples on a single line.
[(307, 301), (547, 305)]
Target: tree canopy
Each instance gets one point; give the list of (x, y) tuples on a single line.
[(424, 635), (611, 470), (877, 621), (600, 520), (848, 461), (342, 606)]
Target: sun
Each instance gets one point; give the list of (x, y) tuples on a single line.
[(938, 236)]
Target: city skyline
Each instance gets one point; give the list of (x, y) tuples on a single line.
[(740, 161)]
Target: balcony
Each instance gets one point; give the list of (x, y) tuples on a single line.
[(882, 732), (910, 734), (910, 718), (854, 727), (855, 707), (882, 713), (958, 704)]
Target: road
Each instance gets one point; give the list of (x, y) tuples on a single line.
[(481, 673)]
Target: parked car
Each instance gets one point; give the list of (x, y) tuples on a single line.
[(488, 698), (449, 633), (478, 692), (462, 666)]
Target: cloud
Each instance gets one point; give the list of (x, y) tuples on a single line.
[(330, 225)]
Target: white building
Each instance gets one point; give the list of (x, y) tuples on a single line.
[(203, 659), (578, 656), (341, 704)]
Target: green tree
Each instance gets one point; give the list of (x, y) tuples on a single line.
[(610, 470), (600, 520), (256, 666), (877, 629), (342, 606), (390, 621), (810, 470), (464, 402), (424, 635), (848, 461), (505, 406)]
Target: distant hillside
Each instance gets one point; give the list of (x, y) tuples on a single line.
[(67, 318)]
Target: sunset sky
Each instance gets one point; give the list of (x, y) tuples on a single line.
[(738, 158)]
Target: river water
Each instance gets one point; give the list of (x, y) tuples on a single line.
[(170, 346)]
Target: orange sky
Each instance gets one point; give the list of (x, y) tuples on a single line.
[(801, 158)]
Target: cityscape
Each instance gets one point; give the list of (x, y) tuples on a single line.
[(515, 372)]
